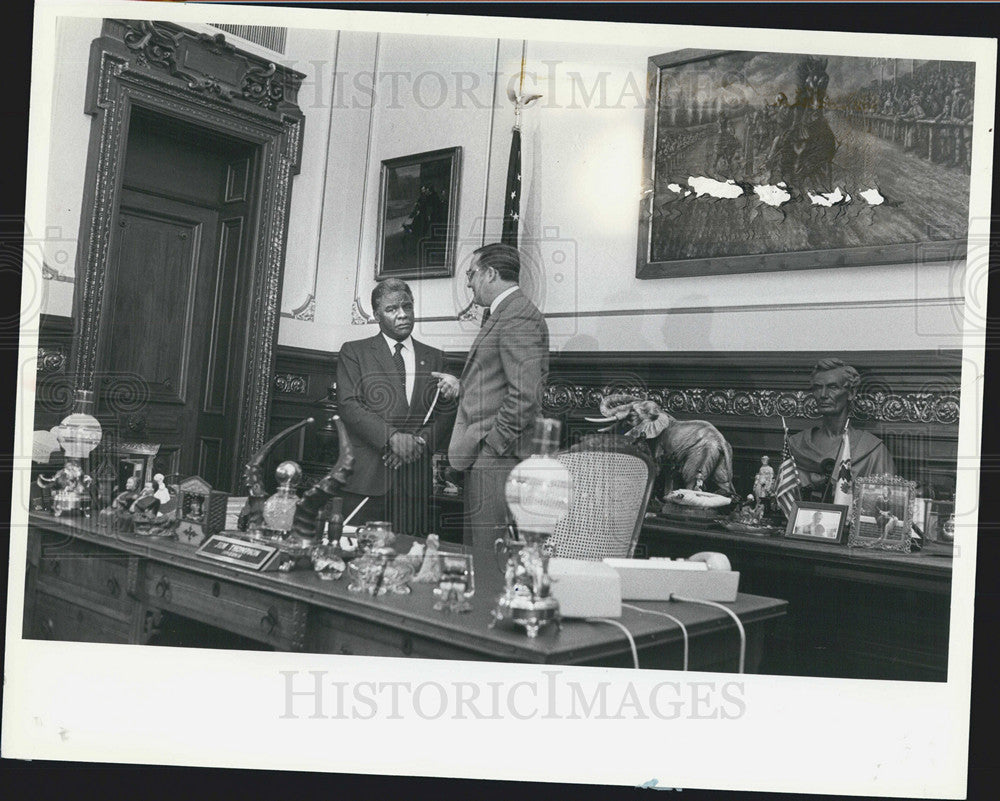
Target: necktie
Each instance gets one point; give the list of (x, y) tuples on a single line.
[(397, 359), (486, 316)]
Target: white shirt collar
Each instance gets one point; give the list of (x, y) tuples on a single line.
[(501, 296), (407, 343)]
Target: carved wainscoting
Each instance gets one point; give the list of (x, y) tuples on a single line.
[(909, 399)]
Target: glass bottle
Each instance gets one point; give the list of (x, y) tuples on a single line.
[(279, 509), (335, 525)]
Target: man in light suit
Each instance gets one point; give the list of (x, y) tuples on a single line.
[(500, 389), (384, 391)]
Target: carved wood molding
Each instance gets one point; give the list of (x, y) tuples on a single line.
[(52, 359), (910, 407), (204, 81), (210, 64), (291, 384)]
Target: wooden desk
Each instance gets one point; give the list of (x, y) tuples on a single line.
[(852, 613), (84, 584)]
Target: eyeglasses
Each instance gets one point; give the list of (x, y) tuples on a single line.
[(471, 272)]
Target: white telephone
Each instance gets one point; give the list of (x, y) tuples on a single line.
[(705, 575)]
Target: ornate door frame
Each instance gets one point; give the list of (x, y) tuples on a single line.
[(205, 81)]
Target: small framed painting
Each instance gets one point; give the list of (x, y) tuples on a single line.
[(418, 215)]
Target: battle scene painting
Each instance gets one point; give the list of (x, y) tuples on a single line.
[(771, 161)]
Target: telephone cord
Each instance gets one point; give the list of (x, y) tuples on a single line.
[(728, 611), (683, 628)]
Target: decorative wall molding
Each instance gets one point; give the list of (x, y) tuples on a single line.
[(291, 384), (759, 308), (306, 311), (909, 399), (912, 407), (52, 274), (210, 64)]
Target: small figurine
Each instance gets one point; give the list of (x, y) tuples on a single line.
[(699, 482), (147, 492), (125, 498), (764, 482), (160, 491), (454, 587)]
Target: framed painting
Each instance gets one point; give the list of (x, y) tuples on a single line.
[(777, 161), (418, 214)]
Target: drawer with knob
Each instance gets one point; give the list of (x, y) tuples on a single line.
[(227, 605), (56, 618), (335, 633), (89, 572)]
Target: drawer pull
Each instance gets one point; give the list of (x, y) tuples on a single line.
[(407, 646), (163, 588), (114, 588), (56, 567), (269, 622), (216, 589)]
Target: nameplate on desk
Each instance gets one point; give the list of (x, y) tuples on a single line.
[(236, 551)]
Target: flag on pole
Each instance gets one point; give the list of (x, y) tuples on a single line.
[(512, 200), (786, 490), (843, 493)]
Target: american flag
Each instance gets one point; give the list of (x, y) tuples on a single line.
[(786, 491), (512, 200)]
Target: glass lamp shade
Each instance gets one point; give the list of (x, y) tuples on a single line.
[(80, 432)]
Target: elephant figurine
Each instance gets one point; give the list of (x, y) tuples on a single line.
[(687, 447)]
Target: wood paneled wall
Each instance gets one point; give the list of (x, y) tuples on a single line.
[(910, 399)]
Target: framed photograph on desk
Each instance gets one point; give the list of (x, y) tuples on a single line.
[(882, 513), (817, 522)]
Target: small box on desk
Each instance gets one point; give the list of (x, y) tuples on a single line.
[(658, 579), (584, 588)]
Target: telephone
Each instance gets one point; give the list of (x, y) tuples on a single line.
[(706, 575)]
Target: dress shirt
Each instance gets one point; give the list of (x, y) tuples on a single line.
[(409, 360)]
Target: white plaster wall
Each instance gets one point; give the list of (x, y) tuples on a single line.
[(582, 155), (68, 137)]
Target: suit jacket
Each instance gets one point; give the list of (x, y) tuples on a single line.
[(502, 384), (373, 408)]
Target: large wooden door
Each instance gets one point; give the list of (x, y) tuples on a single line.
[(175, 334)]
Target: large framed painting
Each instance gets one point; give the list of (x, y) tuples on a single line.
[(777, 161), (418, 213)]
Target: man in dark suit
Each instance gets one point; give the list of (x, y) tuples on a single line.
[(500, 389), (384, 391)]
